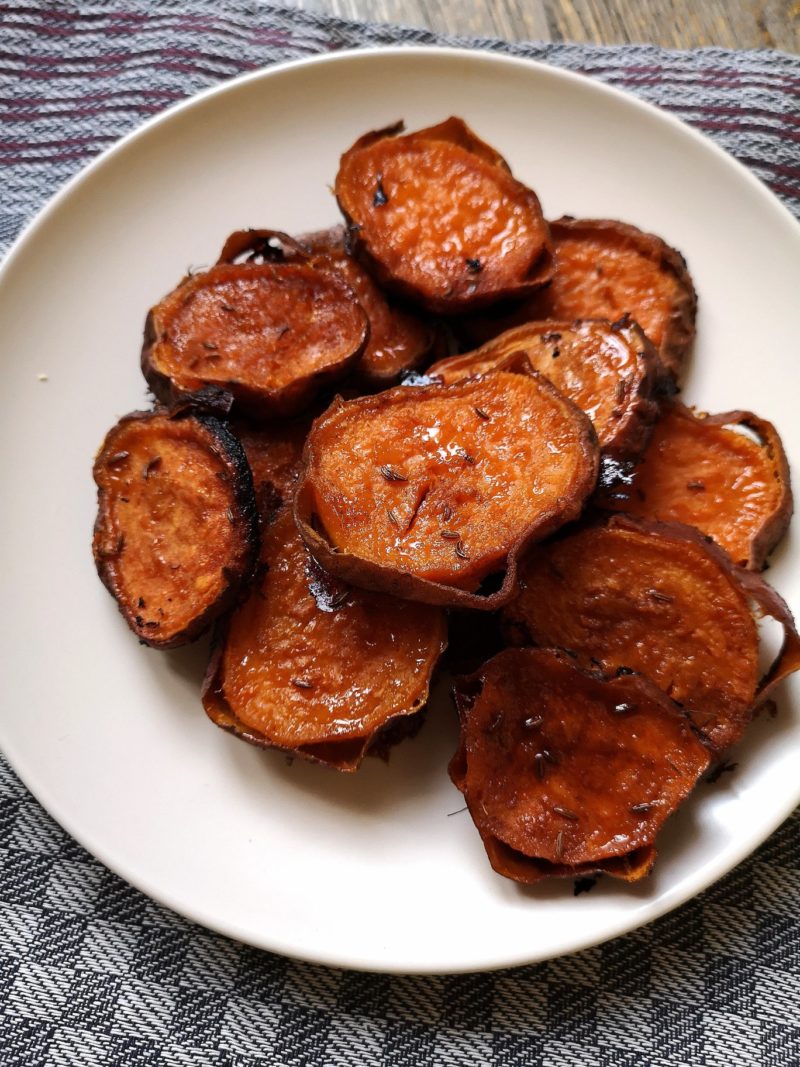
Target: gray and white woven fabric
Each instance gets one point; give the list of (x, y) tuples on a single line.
[(94, 973)]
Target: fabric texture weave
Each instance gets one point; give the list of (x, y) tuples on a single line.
[(92, 972)]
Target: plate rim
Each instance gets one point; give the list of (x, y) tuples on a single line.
[(625, 923), (478, 53)]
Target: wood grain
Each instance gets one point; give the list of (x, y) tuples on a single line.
[(671, 23)]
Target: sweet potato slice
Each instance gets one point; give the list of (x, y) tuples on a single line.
[(527, 870), (426, 492), (436, 216), (702, 471), (655, 598), (568, 768), (176, 531), (611, 371), (320, 670), (607, 269), (269, 333), (274, 453), (398, 340)]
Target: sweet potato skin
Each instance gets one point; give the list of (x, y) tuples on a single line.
[(177, 554), (417, 472), (610, 370), (528, 871), (399, 341), (589, 254), (311, 667), (700, 472), (570, 768), (243, 328), (345, 756), (435, 174), (661, 599)]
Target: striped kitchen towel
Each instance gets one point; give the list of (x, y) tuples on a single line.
[(93, 973)]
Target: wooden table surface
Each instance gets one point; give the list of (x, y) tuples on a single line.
[(671, 23)]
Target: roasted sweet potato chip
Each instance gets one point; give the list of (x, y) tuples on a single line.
[(655, 598), (436, 216), (313, 667), (269, 333), (274, 453), (512, 864), (702, 471), (176, 529), (610, 371), (425, 492), (398, 340), (568, 768), (607, 269)]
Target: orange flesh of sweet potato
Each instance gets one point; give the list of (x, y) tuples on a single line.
[(444, 482), (606, 269), (443, 222), (176, 523), (702, 472), (627, 594), (265, 331), (611, 280), (295, 675), (568, 766), (398, 341), (610, 371)]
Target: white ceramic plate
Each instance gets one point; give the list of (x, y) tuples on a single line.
[(368, 870)]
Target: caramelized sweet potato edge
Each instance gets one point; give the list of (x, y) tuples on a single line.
[(240, 481), (527, 870), (346, 756), (370, 575), (452, 129), (259, 243)]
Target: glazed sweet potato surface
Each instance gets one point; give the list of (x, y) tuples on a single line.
[(606, 269), (298, 671), (269, 333), (700, 470), (398, 341), (653, 599), (426, 491), (176, 530), (437, 216), (570, 767), (609, 370)]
